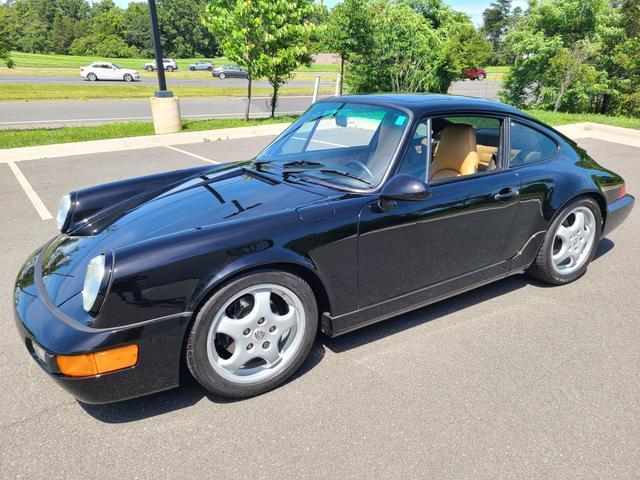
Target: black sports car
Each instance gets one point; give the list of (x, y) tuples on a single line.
[(366, 207)]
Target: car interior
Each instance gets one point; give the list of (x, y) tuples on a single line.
[(460, 146)]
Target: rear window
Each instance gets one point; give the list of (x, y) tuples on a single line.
[(529, 145)]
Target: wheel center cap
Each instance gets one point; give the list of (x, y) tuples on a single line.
[(259, 334)]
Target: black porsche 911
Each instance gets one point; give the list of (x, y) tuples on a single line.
[(364, 208)]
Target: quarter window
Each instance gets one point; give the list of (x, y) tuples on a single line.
[(529, 145)]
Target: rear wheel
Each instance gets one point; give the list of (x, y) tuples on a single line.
[(570, 243), (192, 69), (149, 68), (252, 334), (128, 78), (169, 68), (92, 77)]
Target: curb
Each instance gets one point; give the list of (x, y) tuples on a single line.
[(599, 131), (130, 143)]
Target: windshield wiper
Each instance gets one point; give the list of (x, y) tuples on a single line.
[(330, 171), (303, 163)]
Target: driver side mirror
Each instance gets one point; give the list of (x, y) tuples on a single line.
[(403, 187)]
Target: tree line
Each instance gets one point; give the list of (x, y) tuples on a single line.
[(566, 55), (570, 55), (79, 27)]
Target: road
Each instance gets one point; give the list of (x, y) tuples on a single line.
[(205, 81), (69, 112), (511, 380)]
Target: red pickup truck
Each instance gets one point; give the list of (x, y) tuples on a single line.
[(476, 73)]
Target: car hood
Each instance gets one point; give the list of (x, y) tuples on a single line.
[(128, 70), (224, 196)]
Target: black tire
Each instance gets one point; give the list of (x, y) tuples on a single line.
[(149, 68), (481, 76), (193, 69), (222, 76), (169, 68), (542, 267), (210, 68), (472, 78), (92, 77), (128, 77), (196, 346)]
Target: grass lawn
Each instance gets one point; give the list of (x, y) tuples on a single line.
[(48, 136), (18, 91), (71, 61), (560, 118)]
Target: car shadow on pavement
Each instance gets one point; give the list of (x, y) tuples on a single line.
[(190, 392), (186, 395)]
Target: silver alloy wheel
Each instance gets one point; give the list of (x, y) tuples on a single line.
[(573, 240), (256, 334)]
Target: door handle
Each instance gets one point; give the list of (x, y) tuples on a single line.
[(506, 193)]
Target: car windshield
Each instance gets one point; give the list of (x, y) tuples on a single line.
[(345, 144)]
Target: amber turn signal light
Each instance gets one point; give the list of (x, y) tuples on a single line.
[(98, 362)]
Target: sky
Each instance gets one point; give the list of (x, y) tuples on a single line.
[(473, 8)]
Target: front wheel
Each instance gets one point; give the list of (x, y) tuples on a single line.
[(149, 68), (128, 78), (169, 68), (252, 334), (193, 69), (570, 243), (222, 76), (481, 76)]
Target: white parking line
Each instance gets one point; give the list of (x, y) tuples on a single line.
[(31, 193), (194, 155)]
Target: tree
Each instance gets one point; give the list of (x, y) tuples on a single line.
[(349, 31), (6, 32), (239, 26), (558, 51), (182, 31), (287, 43), (407, 54), (495, 22), (137, 30)]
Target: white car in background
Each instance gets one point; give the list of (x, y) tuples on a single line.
[(169, 65), (108, 71)]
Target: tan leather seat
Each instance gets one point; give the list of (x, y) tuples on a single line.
[(485, 154), (456, 154)]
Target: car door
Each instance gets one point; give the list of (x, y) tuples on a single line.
[(423, 249)]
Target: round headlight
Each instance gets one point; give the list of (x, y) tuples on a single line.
[(93, 282), (63, 211)]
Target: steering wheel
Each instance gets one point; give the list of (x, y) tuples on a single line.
[(362, 167)]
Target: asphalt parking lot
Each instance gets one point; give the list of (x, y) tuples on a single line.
[(512, 380)]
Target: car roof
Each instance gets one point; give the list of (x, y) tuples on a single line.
[(421, 104)]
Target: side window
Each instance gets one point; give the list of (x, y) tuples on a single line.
[(461, 145), (529, 145)]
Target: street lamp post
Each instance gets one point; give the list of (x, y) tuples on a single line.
[(157, 48), (165, 108)]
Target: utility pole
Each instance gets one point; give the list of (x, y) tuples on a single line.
[(165, 108)]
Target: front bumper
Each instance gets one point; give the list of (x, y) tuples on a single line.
[(617, 212), (41, 324)]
